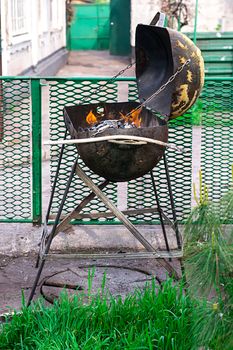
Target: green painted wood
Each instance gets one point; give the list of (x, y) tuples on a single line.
[(217, 51), (212, 35), (120, 27), (89, 29)]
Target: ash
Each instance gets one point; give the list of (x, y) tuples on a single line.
[(108, 124)]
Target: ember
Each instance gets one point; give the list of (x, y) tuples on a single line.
[(130, 120), (107, 124)]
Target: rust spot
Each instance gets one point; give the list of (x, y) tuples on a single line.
[(182, 96), (181, 45), (182, 59), (183, 101), (189, 76)]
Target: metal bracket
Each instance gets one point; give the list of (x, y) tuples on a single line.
[(158, 20)]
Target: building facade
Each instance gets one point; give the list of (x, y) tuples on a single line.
[(33, 36)]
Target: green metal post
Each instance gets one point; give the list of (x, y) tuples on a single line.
[(195, 23), (36, 152)]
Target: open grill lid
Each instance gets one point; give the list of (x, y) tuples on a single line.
[(159, 53)]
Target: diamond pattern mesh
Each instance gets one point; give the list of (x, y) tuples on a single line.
[(213, 113), (216, 136), (65, 93), (15, 149), (139, 192)]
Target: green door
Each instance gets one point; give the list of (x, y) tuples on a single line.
[(89, 29), (120, 27)]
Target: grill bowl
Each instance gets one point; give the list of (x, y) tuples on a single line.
[(112, 161)]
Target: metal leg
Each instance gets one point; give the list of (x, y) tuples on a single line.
[(178, 237), (159, 211), (123, 219), (58, 226), (62, 226), (55, 179), (44, 233), (51, 236)]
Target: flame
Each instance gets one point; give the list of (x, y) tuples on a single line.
[(133, 117), (126, 119), (91, 118)]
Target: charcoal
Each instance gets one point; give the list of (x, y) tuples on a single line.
[(108, 124)]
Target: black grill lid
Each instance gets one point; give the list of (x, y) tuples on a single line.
[(159, 53), (154, 66)]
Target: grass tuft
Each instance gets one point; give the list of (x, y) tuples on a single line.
[(152, 318)]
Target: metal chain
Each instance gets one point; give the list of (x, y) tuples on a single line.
[(108, 82), (162, 87), (121, 71), (156, 93)]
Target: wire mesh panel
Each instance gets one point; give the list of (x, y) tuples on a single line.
[(15, 150), (67, 93), (216, 137), (213, 113), (140, 191)]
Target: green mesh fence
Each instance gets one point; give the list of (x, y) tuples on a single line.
[(65, 93), (139, 193), (210, 119), (216, 115), (15, 150)]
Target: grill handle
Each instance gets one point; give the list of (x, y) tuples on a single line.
[(118, 137)]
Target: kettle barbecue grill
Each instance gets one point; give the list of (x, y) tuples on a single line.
[(161, 53), (122, 161), (169, 74)]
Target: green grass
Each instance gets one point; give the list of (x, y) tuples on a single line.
[(150, 319)]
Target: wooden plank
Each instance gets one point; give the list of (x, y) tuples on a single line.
[(97, 215), (173, 254)]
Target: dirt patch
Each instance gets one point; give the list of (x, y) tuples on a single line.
[(122, 277)]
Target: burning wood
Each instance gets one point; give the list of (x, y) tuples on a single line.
[(130, 120), (133, 117)]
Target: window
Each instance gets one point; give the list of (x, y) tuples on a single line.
[(19, 17)]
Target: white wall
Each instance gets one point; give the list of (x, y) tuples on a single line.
[(45, 34), (142, 11), (210, 14)]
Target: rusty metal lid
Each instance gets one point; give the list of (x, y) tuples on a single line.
[(159, 53)]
